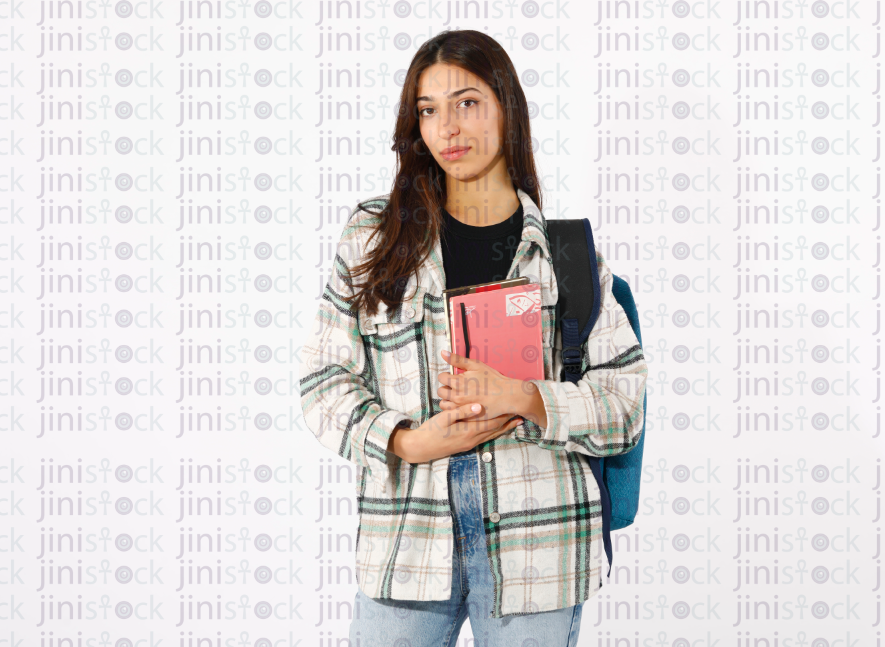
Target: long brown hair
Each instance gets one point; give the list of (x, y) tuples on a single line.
[(410, 223)]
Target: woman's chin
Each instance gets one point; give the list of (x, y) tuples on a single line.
[(461, 173)]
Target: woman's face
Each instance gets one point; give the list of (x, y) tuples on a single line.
[(457, 110)]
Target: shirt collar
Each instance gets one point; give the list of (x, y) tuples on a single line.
[(534, 232)]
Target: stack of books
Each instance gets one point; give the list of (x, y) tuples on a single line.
[(499, 324)]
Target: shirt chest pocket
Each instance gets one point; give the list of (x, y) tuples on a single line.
[(390, 321), (394, 339)]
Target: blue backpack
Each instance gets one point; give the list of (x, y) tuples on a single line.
[(577, 310)]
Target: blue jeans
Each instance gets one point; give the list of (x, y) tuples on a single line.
[(401, 623)]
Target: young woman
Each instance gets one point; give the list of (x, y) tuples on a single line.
[(473, 496)]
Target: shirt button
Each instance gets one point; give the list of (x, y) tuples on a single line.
[(487, 457), (410, 312), (495, 517)]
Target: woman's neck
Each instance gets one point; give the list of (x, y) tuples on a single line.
[(482, 209), (485, 199)]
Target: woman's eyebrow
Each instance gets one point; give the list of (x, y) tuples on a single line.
[(454, 94)]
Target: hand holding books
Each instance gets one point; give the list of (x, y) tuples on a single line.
[(499, 322), (497, 393)]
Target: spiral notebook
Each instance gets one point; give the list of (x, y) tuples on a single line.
[(501, 327)]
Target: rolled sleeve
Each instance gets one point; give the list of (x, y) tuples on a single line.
[(376, 456)]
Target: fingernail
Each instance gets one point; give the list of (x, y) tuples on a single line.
[(476, 408), (445, 353)]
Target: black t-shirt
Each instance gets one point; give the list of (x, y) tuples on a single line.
[(474, 254)]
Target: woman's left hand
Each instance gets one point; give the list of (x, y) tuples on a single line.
[(497, 393)]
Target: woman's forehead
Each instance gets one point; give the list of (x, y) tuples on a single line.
[(439, 81)]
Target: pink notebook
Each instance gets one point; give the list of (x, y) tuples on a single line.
[(504, 329)]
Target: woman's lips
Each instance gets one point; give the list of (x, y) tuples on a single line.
[(455, 154)]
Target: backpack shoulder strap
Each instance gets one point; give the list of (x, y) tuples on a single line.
[(577, 309), (574, 259)]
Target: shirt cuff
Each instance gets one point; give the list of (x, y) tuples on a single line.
[(555, 397), (378, 459)]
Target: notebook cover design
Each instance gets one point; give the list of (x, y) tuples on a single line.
[(504, 327)]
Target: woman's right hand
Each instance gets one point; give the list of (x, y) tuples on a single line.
[(447, 433)]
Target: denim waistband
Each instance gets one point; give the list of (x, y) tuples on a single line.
[(460, 456)]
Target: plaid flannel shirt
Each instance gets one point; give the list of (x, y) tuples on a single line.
[(362, 375)]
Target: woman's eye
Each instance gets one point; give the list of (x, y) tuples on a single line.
[(421, 110)]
